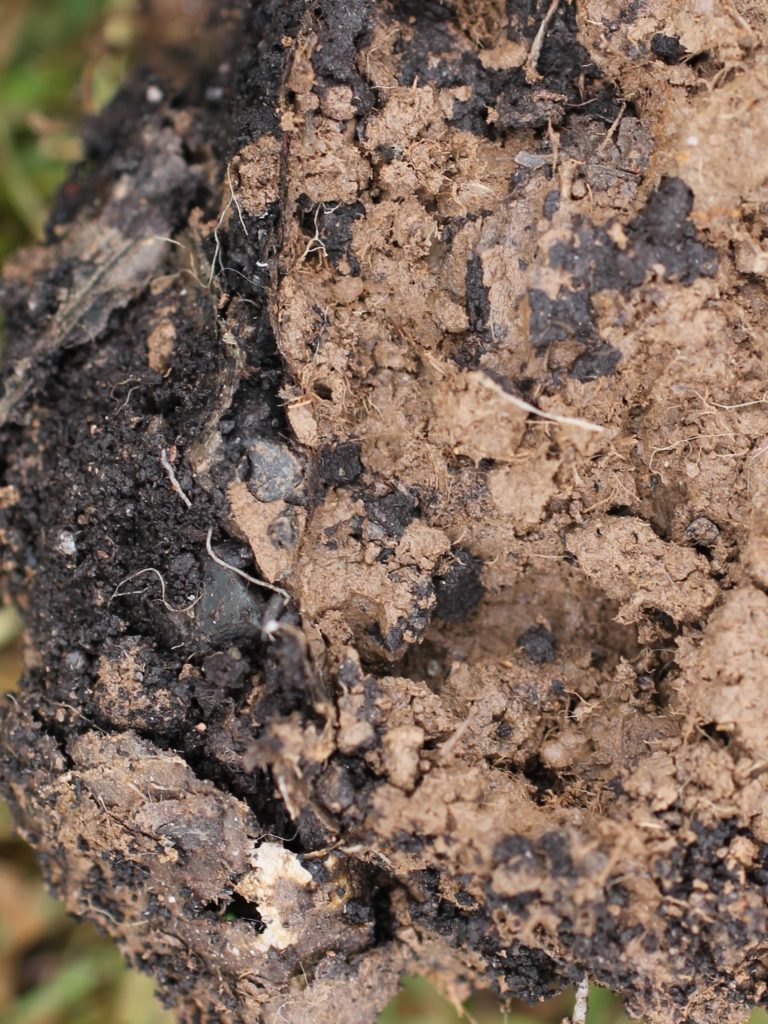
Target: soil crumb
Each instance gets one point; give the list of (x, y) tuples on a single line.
[(384, 446)]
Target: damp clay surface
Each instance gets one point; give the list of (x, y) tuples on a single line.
[(385, 434)]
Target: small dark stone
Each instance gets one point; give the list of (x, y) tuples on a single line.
[(600, 362), (511, 847), (538, 643), (458, 588), (668, 48), (555, 846), (283, 531), (551, 203), (478, 301), (228, 610), (339, 463), (358, 912), (275, 471), (225, 672), (392, 512), (336, 788), (568, 315), (702, 531), (332, 967)]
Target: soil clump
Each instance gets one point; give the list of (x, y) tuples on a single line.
[(384, 487)]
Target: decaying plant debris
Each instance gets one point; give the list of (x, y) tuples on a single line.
[(385, 491)]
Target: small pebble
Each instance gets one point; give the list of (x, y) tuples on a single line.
[(66, 543), (275, 472), (531, 160), (702, 531), (539, 644)]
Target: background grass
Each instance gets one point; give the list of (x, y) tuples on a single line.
[(59, 60)]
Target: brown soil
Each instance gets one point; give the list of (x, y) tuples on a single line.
[(459, 359)]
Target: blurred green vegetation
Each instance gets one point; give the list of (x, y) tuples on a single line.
[(60, 59), (418, 1003)]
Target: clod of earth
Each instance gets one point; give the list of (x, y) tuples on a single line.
[(342, 662)]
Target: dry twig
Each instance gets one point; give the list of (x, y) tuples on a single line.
[(553, 417), (530, 67)]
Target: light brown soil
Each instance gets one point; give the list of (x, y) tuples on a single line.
[(466, 352)]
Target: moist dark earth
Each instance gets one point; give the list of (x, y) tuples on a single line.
[(384, 490)]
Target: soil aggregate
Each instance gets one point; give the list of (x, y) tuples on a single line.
[(384, 490)]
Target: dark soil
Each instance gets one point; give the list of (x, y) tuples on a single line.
[(383, 457)]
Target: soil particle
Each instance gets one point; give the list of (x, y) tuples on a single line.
[(391, 513), (660, 239), (457, 586), (635, 567), (401, 607), (228, 611), (275, 472), (702, 531), (339, 463), (668, 48), (538, 643)]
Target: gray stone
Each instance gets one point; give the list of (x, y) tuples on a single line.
[(702, 531), (275, 471), (229, 610)]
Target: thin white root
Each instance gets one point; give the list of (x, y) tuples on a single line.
[(118, 592), (687, 440), (235, 200), (612, 130), (553, 417), (456, 737), (581, 1005), (186, 270), (719, 405), (530, 67), (233, 568), (316, 244), (166, 464)]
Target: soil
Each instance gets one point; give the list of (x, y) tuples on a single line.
[(384, 456)]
